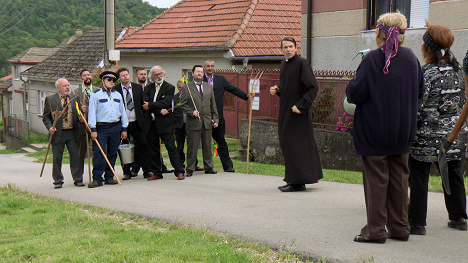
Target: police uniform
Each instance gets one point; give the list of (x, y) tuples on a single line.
[(108, 118)]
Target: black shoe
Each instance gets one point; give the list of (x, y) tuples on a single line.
[(211, 171), (134, 174), (459, 224), (58, 186), (111, 181), (403, 238), (188, 173), (230, 170), (362, 239), (94, 184), (293, 188), (283, 186), (418, 230), (79, 184)]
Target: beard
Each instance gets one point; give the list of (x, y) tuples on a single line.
[(87, 82), (159, 80)]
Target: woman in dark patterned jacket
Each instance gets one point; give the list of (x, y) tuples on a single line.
[(438, 112)]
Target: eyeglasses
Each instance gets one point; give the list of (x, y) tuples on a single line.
[(110, 79), (159, 74)]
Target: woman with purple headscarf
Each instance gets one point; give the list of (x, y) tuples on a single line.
[(386, 89)]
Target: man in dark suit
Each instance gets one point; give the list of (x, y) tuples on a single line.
[(160, 123), (66, 132), (221, 84), (84, 91), (132, 94), (198, 102)]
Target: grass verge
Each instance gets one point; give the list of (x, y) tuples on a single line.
[(41, 229)]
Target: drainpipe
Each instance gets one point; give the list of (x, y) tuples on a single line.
[(25, 108), (369, 7), (309, 31)]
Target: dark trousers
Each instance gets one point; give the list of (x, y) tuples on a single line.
[(68, 139), (223, 151), (141, 148), (108, 136), (418, 183), (153, 139), (386, 194), (180, 135)]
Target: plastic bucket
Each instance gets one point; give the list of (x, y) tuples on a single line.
[(127, 153)]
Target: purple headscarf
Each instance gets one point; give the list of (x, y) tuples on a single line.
[(391, 45)]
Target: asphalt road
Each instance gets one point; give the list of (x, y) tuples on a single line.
[(318, 223)]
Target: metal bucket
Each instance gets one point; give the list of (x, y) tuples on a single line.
[(127, 153)]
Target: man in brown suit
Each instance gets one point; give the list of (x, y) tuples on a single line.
[(198, 102), (84, 92)]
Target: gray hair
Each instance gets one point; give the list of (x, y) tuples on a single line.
[(150, 74), (57, 82)]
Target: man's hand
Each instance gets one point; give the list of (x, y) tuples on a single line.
[(215, 125), (196, 113), (124, 135), (83, 108), (81, 119), (274, 90), (295, 109), (164, 112), (94, 136), (146, 106), (251, 95), (52, 130)]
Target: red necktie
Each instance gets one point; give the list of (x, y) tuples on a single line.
[(65, 106), (201, 91)]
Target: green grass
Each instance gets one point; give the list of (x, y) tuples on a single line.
[(37, 138), (10, 151), (41, 229)]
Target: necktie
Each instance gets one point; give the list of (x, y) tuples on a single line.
[(87, 94), (128, 100), (201, 91), (65, 106)]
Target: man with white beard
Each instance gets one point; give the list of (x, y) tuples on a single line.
[(159, 123)]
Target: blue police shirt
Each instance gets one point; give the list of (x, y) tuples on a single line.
[(108, 107)]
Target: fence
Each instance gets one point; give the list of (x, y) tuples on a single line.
[(17, 126), (326, 110)]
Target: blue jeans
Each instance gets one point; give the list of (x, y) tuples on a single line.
[(107, 136)]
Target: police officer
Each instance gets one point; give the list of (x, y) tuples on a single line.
[(108, 122)]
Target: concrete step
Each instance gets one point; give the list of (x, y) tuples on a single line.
[(28, 150), (2, 146), (38, 146)]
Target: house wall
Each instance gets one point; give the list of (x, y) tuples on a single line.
[(35, 118), (172, 62), (338, 34)]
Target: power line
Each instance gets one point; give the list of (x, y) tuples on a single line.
[(22, 18), (6, 12)]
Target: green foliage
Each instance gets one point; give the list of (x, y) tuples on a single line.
[(324, 104), (37, 138), (46, 23)]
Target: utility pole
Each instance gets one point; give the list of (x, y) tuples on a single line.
[(109, 25)]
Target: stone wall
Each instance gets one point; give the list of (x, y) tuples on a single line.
[(336, 149)]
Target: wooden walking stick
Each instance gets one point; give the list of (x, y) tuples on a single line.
[(195, 105), (97, 143), (56, 116), (86, 132), (251, 100)]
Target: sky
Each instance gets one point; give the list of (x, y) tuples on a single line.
[(162, 3)]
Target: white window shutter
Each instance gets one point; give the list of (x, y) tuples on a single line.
[(419, 13)]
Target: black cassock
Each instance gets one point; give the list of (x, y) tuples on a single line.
[(296, 134)]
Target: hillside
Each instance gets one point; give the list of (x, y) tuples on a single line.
[(46, 23)]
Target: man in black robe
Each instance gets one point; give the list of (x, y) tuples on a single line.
[(295, 128)]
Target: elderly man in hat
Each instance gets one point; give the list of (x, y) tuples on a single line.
[(108, 122)]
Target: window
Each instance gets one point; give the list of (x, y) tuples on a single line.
[(16, 72), (188, 74), (415, 11), (41, 97)]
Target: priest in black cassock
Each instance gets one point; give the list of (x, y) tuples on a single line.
[(297, 90)]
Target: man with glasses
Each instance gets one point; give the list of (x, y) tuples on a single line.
[(108, 122), (160, 123)]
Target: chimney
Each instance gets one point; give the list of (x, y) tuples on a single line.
[(78, 31)]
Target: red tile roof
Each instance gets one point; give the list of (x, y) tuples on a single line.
[(248, 27)]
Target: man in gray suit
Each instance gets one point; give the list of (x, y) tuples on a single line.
[(198, 102), (65, 132), (84, 91)]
